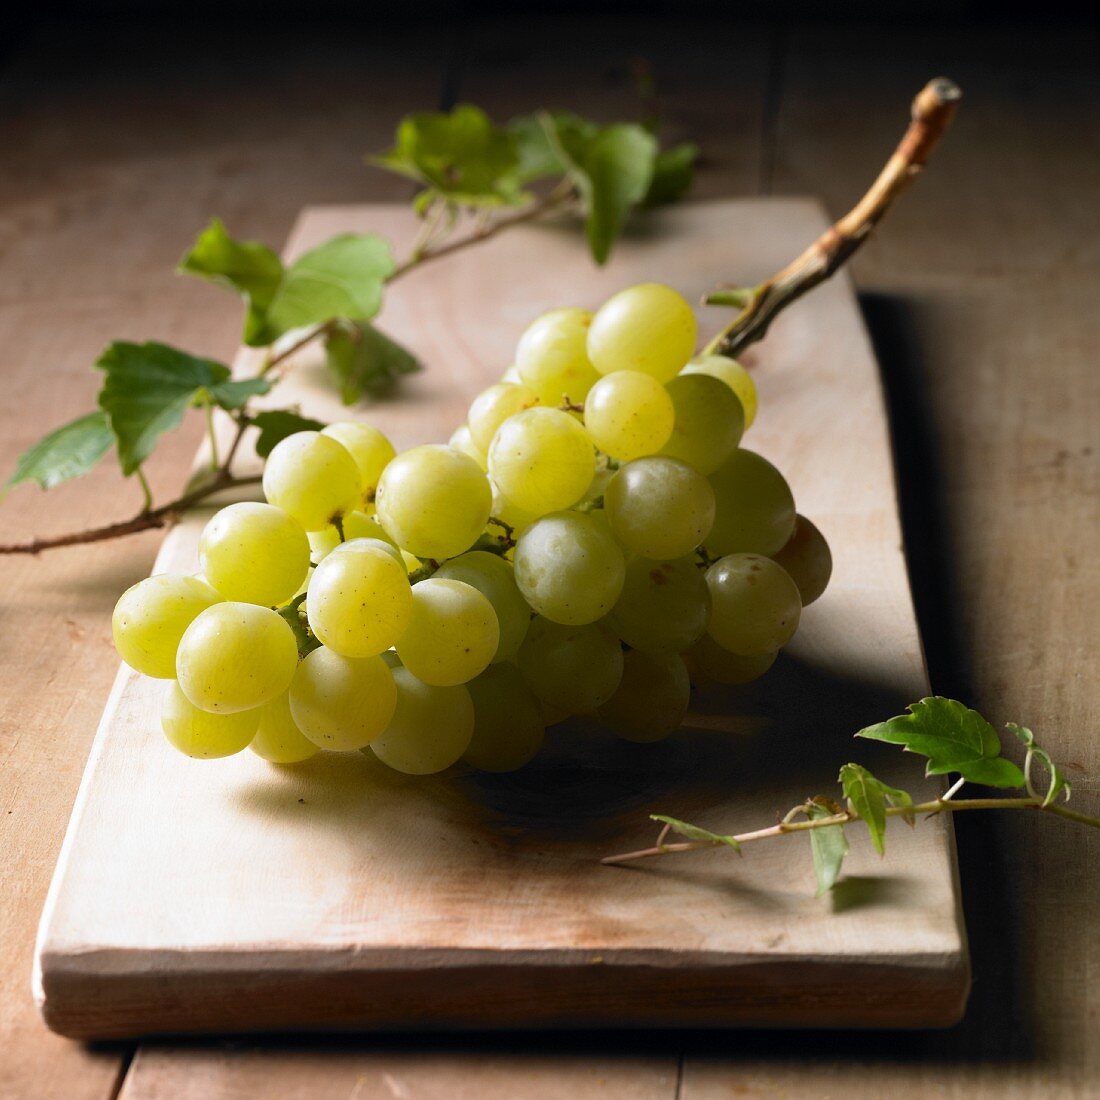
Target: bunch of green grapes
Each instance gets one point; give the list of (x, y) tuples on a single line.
[(591, 535)]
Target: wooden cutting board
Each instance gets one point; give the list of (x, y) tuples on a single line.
[(236, 896)]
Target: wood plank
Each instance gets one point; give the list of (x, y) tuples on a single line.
[(112, 155), (260, 914)]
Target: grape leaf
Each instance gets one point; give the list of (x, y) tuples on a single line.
[(248, 267), (694, 832), (1057, 781), (869, 797), (546, 143), (673, 172), (365, 361), (67, 452), (953, 737), (829, 846), (276, 424)]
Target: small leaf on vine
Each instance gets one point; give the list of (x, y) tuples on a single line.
[(276, 424), (1057, 781), (869, 797), (673, 172), (829, 846), (694, 832), (365, 361), (67, 452)]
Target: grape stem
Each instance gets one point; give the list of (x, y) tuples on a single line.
[(933, 110)]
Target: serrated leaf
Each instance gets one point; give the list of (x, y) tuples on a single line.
[(67, 452), (673, 172), (147, 389), (829, 846), (276, 424), (953, 737), (365, 361), (869, 797), (1057, 781), (694, 832), (248, 267)]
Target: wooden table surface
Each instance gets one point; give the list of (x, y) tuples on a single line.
[(117, 143)]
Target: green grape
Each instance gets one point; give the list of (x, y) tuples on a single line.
[(542, 459), (430, 728), (734, 375), (462, 441), (754, 508), (495, 579), (151, 616), (203, 735), (508, 724), (493, 406), (664, 606), (552, 357), (713, 662), (342, 703), (574, 669), (806, 556), (357, 525), (649, 328), (359, 600), (254, 553), (709, 422), (651, 700), (370, 449), (434, 501), (452, 635), (278, 738), (236, 656), (313, 478), (628, 414), (569, 568), (659, 507), (755, 605)]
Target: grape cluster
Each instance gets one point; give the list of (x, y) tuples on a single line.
[(592, 539)]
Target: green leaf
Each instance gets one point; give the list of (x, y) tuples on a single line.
[(673, 172), (67, 452), (1057, 781), (276, 424), (147, 390), (694, 832), (248, 267), (546, 143), (829, 846), (234, 393), (953, 737), (869, 797), (365, 360)]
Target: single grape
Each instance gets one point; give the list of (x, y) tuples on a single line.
[(508, 723), (709, 422), (648, 328), (493, 406), (651, 700), (430, 729), (462, 440), (659, 507), (552, 357), (628, 414), (370, 449), (278, 738), (235, 656), (664, 606), (203, 735), (574, 669), (542, 459), (434, 501), (151, 616), (718, 664), (357, 525), (452, 635), (359, 601), (313, 478), (254, 553), (755, 605), (754, 508), (342, 703), (806, 556), (495, 579), (569, 568), (734, 375)]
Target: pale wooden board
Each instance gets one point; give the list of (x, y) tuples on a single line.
[(233, 896)]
